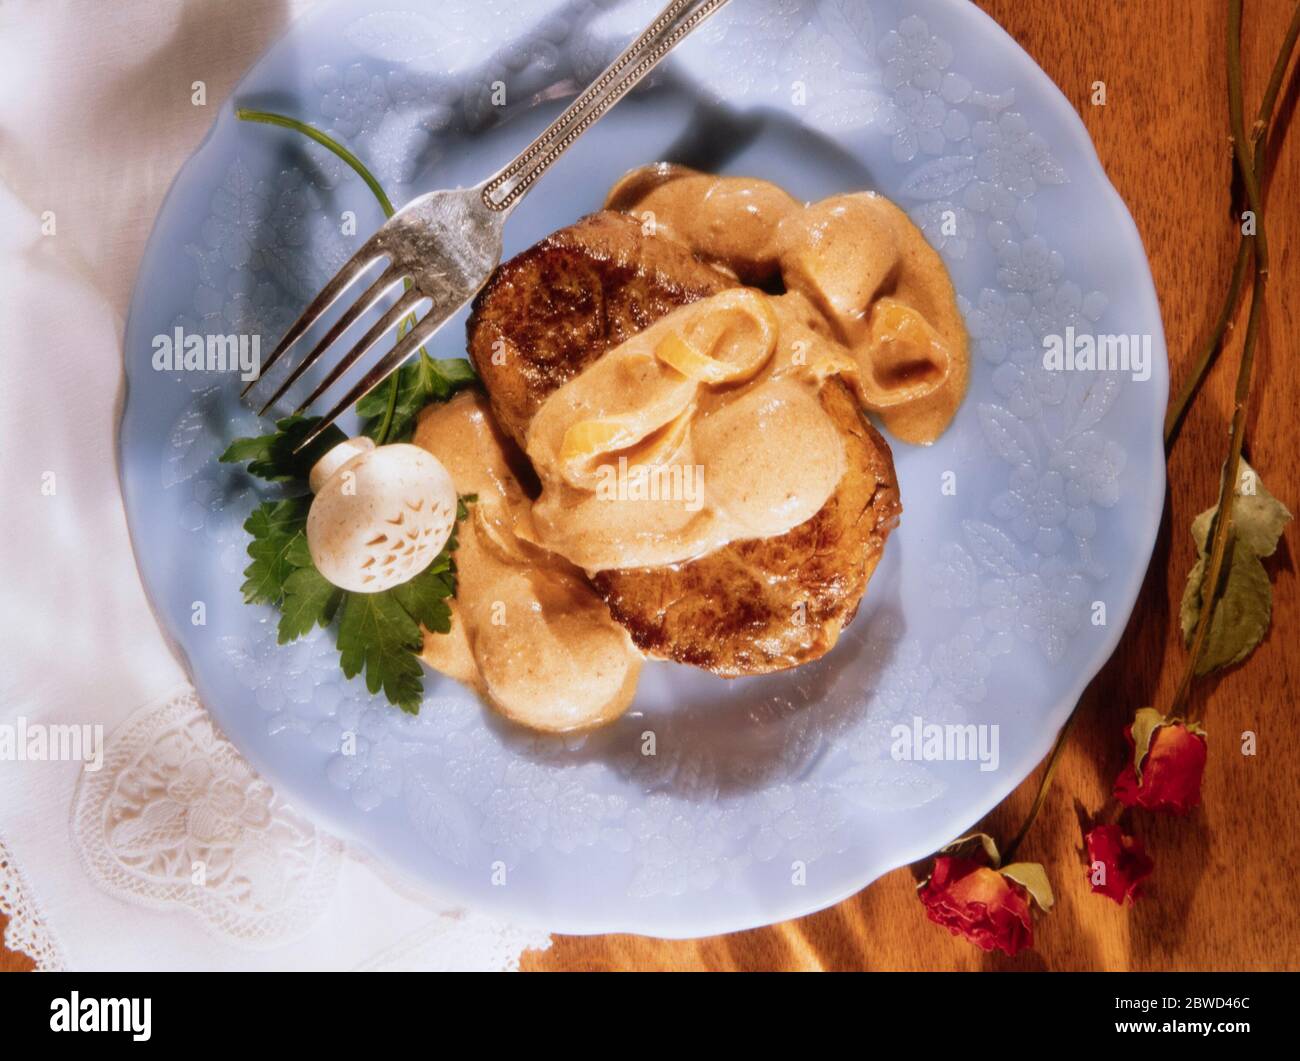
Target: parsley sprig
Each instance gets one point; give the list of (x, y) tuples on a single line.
[(378, 633), (391, 417)]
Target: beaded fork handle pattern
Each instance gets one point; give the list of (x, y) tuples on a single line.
[(674, 24)]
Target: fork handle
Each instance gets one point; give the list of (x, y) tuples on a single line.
[(503, 190)]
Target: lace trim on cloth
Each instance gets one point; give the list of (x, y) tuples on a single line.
[(26, 931), (177, 818), (459, 942)]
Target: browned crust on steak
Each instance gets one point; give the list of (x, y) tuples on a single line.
[(552, 310), (751, 607), (763, 605)]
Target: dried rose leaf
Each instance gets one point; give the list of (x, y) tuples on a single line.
[(1033, 878), (1245, 607), (1145, 724), (1258, 517), (970, 846), (1241, 616)]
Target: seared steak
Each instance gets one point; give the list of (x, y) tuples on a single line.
[(750, 607)]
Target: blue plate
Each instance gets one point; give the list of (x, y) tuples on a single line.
[(1027, 528)]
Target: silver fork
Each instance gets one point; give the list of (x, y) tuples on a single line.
[(444, 245)]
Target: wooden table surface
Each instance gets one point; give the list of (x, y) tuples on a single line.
[(1227, 879)]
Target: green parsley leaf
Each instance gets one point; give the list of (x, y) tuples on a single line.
[(310, 600), (272, 456), (424, 598), (299, 554), (376, 634), (380, 632), (277, 528), (420, 381), (257, 448)]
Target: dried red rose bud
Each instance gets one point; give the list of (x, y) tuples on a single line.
[(972, 900), (1171, 769), (1119, 863)]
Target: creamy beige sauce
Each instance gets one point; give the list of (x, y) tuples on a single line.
[(655, 455), (880, 288), (527, 630), (704, 428)]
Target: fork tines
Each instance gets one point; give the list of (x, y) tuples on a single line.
[(392, 276)]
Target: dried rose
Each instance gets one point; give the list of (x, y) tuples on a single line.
[(971, 896), (1167, 763), (1120, 863)]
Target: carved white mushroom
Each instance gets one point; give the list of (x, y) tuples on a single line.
[(380, 515)]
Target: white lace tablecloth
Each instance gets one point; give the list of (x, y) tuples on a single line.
[(97, 868)]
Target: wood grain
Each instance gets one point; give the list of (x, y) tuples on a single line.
[(1228, 878)]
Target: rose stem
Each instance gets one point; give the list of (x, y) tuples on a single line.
[(1243, 375), (1214, 343), (1053, 760), (1241, 397)]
